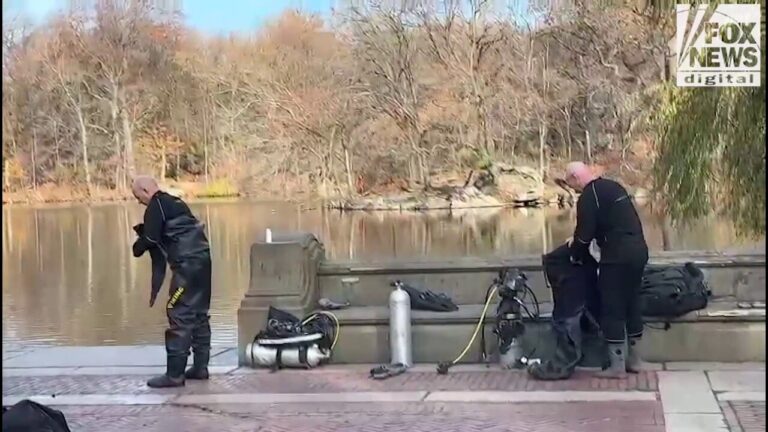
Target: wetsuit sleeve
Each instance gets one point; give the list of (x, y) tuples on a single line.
[(153, 228), (586, 225)]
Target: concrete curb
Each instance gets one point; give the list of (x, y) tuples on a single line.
[(346, 397)]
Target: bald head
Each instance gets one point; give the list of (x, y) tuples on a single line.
[(578, 175), (143, 188)]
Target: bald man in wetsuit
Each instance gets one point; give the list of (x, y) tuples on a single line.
[(605, 212), (172, 234)]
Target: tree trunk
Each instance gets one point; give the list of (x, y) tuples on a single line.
[(588, 121), (329, 171), (666, 236), (163, 163), (419, 156), (34, 159), (56, 144), (205, 142), (130, 169), (84, 146), (6, 182), (114, 108), (569, 138), (542, 144), (348, 169)]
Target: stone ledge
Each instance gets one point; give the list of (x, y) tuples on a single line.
[(379, 315), (703, 259)]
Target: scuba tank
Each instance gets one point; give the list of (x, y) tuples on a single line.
[(290, 342), (302, 356), (509, 328), (400, 326), (509, 321)]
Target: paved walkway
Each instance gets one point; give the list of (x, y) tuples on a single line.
[(102, 389)]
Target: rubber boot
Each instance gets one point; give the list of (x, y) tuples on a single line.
[(199, 369), (618, 365), (566, 355), (174, 375), (634, 361)]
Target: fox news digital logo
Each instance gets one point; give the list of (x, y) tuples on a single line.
[(718, 46)]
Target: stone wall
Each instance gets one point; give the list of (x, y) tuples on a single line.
[(291, 273)]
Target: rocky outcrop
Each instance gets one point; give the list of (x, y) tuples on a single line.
[(501, 185)]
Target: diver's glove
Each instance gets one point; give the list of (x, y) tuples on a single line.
[(139, 230), (158, 263), (574, 260)]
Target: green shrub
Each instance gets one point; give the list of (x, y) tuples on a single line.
[(221, 188)]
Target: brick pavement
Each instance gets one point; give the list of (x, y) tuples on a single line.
[(636, 416), (320, 381), (391, 417), (745, 416)]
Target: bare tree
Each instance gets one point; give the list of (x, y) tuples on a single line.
[(396, 95), (464, 44), (386, 45)]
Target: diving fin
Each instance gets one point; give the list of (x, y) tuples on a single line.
[(387, 371), (328, 304)]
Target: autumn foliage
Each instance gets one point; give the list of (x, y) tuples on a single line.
[(379, 96)]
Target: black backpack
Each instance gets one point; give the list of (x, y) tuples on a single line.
[(284, 325), (30, 416), (671, 292)]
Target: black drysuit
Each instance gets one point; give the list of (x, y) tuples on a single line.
[(605, 212), (576, 303), (172, 234)]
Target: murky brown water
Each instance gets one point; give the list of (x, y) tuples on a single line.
[(69, 277)]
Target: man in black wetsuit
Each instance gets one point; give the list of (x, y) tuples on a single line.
[(172, 234), (605, 213)]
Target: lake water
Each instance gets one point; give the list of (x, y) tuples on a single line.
[(69, 277)]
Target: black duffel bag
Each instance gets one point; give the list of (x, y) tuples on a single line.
[(671, 292), (30, 416)]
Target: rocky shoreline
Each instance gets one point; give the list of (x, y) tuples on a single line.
[(496, 187), (436, 202)]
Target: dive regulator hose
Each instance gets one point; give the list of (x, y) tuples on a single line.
[(442, 367), (335, 320)]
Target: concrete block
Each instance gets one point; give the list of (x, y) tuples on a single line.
[(715, 366), (284, 275), (741, 396), (686, 393), (737, 381), (724, 341), (695, 423)]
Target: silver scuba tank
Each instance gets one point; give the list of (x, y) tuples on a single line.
[(257, 355), (509, 325), (400, 326), (513, 356)]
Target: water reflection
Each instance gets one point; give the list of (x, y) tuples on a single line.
[(69, 277)]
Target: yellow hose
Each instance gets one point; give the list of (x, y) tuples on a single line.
[(478, 327), (335, 320)]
